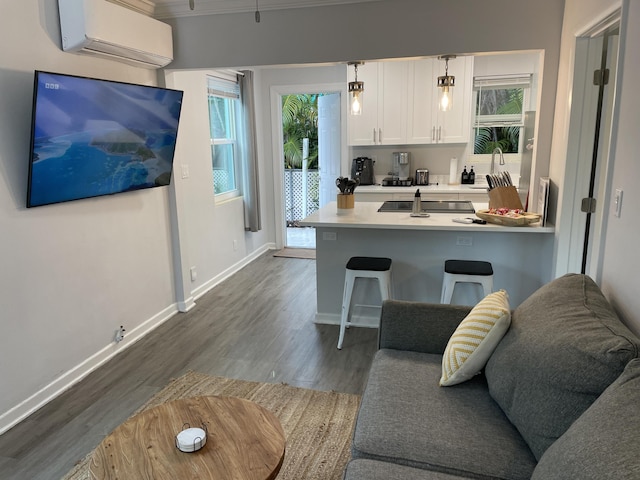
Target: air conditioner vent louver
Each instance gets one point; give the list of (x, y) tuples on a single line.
[(102, 28)]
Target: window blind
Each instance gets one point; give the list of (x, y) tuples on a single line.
[(221, 87), (503, 81)]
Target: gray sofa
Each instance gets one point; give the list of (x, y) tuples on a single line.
[(558, 399)]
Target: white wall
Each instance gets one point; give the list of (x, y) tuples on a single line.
[(70, 274), (621, 262), (214, 230)]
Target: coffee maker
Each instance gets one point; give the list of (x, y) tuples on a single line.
[(401, 165), (362, 168)]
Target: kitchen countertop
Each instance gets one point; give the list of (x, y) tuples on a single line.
[(366, 215), (443, 188)]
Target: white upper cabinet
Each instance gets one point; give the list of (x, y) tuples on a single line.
[(400, 103), (426, 123), (383, 120)]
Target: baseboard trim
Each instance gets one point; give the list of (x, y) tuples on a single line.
[(64, 382), (80, 371), (221, 277), (361, 316)]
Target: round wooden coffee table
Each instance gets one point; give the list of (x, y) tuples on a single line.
[(244, 442)]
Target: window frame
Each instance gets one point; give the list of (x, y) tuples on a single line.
[(226, 88), (498, 82)]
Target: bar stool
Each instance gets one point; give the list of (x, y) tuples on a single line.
[(466, 271), (363, 267)]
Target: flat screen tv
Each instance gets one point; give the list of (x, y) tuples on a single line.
[(92, 137)]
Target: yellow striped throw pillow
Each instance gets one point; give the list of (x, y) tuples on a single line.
[(475, 339)]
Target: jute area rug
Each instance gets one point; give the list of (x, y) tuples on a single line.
[(318, 425)]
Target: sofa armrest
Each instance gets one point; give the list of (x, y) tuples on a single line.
[(417, 326)]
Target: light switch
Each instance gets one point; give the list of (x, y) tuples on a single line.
[(185, 171), (617, 202)]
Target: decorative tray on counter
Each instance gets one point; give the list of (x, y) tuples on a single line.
[(510, 218)]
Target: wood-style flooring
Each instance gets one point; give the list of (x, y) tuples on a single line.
[(257, 325)]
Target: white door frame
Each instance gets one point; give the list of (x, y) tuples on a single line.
[(277, 91), (576, 180)]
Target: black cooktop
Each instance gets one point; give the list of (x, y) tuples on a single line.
[(430, 206)]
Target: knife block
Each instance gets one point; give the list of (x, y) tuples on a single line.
[(504, 197), (346, 200)]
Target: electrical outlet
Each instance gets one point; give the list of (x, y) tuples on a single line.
[(464, 241), (235, 245), (185, 171), (617, 202), (329, 236), (119, 334)]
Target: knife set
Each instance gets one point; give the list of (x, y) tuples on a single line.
[(502, 193)]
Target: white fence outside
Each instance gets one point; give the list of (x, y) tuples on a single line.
[(293, 194)]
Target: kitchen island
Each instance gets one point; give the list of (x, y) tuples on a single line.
[(419, 246)]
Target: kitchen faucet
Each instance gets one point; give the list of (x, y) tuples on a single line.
[(493, 159)]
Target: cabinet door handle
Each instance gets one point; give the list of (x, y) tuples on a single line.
[(374, 136), (433, 133), (439, 133), (379, 135)]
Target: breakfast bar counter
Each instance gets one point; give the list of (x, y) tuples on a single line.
[(418, 246)]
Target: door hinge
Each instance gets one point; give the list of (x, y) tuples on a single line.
[(588, 205), (601, 77)]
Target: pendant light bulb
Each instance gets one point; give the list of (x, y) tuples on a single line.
[(356, 106), (257, 13), (356, 89)]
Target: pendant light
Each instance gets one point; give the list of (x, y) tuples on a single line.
[(355, 90), (446, 84)]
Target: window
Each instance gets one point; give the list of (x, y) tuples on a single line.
[(500, 103), (224, 115)]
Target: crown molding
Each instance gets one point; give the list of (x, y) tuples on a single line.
[(180, 8), (146, 7)]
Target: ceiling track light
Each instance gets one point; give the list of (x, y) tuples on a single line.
[(446, 83), (355, 91)]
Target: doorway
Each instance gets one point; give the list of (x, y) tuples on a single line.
[(595, 74), (301, 187)]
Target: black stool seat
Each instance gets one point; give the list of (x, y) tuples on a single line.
[(468, 267), (374, 264)]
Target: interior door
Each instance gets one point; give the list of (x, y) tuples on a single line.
[(594, 145), (601, 145), (329, 148)]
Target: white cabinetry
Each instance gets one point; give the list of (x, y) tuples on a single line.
[(383, 120), (426, 123), (400, 103)]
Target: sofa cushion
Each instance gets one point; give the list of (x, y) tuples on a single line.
[(603, 442), (362, 469), (475, 339), (565, 346), (406, 418)]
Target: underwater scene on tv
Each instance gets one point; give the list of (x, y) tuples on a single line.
[(95, 137)]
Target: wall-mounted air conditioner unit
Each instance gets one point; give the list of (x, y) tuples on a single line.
[(99, 27)]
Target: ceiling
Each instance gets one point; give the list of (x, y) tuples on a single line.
[(181, 8)]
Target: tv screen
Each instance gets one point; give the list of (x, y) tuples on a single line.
[(93, 137)]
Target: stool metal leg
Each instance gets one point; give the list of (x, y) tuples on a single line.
[(346, 306)]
